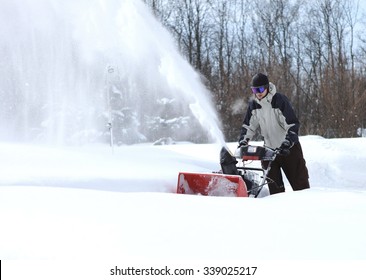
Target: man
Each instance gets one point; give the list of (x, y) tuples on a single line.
[(272, 113)]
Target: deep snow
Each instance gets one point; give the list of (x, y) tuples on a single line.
[(87, 202)]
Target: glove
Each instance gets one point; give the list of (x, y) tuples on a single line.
[(243, 142), (285, 147)]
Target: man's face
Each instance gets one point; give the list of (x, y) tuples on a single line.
[(261, 95), (260, 92)]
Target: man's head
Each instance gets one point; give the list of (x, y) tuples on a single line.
[(260, 85)]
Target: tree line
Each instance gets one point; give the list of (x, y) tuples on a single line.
[(313, 51)]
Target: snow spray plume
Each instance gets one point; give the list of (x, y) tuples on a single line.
[(72, 71)]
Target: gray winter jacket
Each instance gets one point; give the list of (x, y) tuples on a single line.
[(275, 118)]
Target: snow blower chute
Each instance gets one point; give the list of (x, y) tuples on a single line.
[(232, 180)]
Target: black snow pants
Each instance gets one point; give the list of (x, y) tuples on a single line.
[(294, 167)]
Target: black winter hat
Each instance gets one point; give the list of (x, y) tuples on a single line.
[(259, 80)]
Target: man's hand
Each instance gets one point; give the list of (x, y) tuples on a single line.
[(285, 148), (243, 142)]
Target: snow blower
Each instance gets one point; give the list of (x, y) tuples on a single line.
[(232, 180)]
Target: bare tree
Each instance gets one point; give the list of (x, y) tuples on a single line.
[(310, 49)]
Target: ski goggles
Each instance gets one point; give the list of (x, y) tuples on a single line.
[(256, 90)]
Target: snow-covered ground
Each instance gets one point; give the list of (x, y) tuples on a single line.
[(91, 203), (86, 202)]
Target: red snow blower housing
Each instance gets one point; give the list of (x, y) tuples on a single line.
[(232, 180)]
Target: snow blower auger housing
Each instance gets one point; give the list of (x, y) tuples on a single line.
[(232, 180), (211, 184)]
